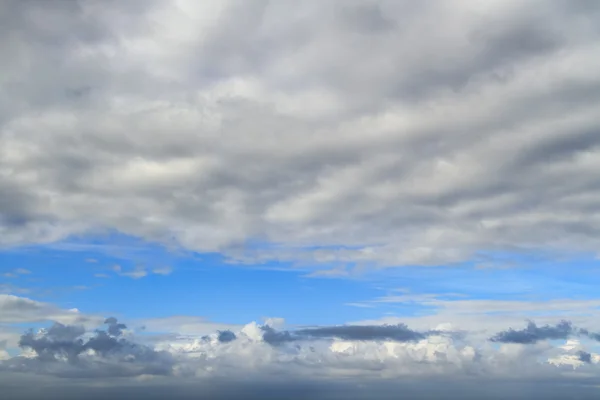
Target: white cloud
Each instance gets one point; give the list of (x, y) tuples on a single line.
[(179, 349), (15, 309), (183, 325), (163, 270), (138, 272), (411, 134)]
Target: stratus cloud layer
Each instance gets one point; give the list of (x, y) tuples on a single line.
[(410, 133)]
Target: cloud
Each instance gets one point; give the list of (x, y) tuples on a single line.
[(398, 332), (16, 272), (332, 133), (375, 361), (138, 272), (584, 356), (22, 271), (226, 336), (15, 309), (7, 288), (488, 316), (533, 333), (162, 271), (63, 350), (384, 351), (269, 334), (114, 328), (184, 325)]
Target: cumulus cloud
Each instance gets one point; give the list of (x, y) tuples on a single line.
[(63, 350), (326, 360), (70, 350), (381, 132)]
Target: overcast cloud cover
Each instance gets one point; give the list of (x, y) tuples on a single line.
[(340, 136)]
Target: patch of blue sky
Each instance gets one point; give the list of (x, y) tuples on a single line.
[(200, 285), (80, 272)]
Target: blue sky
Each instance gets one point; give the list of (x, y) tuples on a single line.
[(80, 273), (198, 193)]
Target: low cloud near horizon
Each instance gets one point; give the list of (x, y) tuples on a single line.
[(319, 362)]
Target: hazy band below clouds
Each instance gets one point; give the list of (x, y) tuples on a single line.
[(23, 387)]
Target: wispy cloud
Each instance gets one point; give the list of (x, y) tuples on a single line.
[(136, 273), (15, 273), (162, 270), (139, 271), (360, 305)]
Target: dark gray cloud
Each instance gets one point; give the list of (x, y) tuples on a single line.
[(591, 335), (114, 327), (112, 355), (584, 356), (303, 124), (533, 333), (226, 336), (58, 340), (275, 337), (399, 332)]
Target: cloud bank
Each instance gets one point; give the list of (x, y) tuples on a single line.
[(325, 362), (376, 132), (100, 356)]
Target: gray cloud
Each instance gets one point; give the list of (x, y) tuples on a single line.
[(398, 332), (15, 309), (432, 366), (114, 327), (226, 336), (584, 356), (303, 124), (112, 355), (533, 333)]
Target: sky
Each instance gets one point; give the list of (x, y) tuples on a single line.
[(363, 199)]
